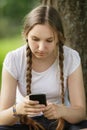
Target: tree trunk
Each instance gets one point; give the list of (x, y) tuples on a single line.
[(74, 17)]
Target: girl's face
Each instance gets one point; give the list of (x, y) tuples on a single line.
[(42, 41)]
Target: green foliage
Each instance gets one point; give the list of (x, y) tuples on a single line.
[(7, 28), (16, 9), (7, 45), (12, 13)]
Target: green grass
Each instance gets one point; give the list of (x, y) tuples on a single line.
[(6, 45)]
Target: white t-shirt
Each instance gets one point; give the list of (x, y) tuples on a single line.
[(47, 82)]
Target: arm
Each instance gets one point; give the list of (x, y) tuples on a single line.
[(8, 95), (77, 110)]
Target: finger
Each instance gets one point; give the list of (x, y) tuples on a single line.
[(30, 102), (32, 114), (27, 97), (48, 112), (49, 103), (50, 115), (34, 110)]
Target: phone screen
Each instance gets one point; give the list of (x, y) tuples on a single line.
[(38, 97)]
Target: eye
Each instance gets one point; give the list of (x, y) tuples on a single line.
[(49, 40), (35, 39)]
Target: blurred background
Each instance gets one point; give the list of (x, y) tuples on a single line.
[(12, 13), (74, 18)]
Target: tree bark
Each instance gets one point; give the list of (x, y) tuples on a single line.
[(74, 18)]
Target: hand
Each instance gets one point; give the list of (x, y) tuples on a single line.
[(29, 107), (53, 111)]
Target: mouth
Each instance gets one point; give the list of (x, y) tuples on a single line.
[(40, 53)]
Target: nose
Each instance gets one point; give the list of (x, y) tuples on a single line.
[(41, 46)]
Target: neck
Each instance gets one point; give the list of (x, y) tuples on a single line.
[(41, 65)]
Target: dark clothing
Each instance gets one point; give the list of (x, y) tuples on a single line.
[(47, 124), (14, 127)]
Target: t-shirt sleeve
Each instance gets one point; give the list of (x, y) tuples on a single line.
[(10, 65), (75, 61), (72, 61)]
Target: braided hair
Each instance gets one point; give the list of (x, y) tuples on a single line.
[(41, 15)]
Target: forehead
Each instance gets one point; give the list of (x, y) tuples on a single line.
[(42, 30)]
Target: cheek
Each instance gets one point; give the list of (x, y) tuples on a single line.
[(53, 47), (32, 45)]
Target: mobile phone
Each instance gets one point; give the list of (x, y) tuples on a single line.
[(38, 97)]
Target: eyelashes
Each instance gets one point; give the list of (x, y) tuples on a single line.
[(37, 39)]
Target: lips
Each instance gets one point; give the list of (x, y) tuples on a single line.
[(40, 53)]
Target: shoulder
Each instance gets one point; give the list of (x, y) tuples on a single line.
[(15, 61), (18, 51), (69, 51), (71, 59), (15, 54)]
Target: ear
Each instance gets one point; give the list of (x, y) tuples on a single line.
[(27, 40)]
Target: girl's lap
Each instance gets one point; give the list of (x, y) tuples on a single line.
[(79, 126)]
